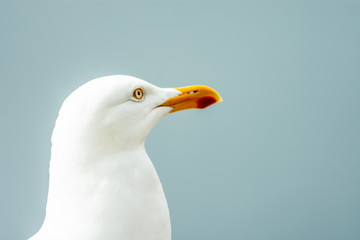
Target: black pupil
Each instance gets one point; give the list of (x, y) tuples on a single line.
[(138, 93)]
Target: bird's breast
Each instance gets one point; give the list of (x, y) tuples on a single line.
[(121, 198)]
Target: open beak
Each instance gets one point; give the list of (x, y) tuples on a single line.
[(192, 97)]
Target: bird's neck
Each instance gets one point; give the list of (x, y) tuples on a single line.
[(108, 193)]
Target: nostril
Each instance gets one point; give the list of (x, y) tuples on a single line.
[(195, 91)]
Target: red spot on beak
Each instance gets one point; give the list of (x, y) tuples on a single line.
[(205, 102)]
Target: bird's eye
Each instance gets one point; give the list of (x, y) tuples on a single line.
[(138, 93)]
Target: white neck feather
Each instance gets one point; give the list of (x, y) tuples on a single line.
[(116, 197)]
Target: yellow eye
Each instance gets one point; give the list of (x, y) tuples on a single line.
[(138, 93)]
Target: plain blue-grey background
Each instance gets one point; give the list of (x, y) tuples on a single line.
[(278, 159)]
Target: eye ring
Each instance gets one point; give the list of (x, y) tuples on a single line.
[(138, 93)]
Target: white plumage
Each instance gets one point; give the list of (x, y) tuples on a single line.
[(103, 186)]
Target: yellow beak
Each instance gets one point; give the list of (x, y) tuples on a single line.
[(193, 97)]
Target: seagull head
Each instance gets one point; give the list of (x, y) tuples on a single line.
[(118, 112)]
